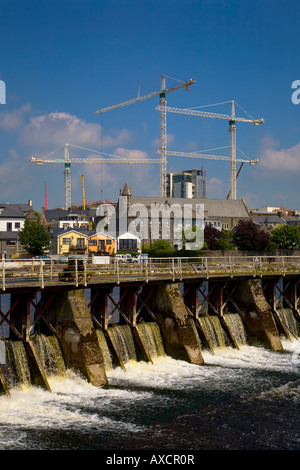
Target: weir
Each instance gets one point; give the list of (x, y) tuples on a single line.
[(53, 329)]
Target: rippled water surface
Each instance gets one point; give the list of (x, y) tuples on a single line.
[(247, 398)]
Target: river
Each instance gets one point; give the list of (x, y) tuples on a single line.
[(246, 399)]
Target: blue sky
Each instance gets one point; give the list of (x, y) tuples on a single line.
[(63, 60)]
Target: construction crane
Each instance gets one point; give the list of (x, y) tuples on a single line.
[(67, 161), (232, 129), (162, 122), (83, 192)]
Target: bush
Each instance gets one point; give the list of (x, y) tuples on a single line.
[(249, 236), (159, 249)]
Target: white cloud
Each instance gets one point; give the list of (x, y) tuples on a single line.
[(57, 128), (14, 119), (216, 188), (279, 160), (133, 154)]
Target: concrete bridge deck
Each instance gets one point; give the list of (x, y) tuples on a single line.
[(35, 275)]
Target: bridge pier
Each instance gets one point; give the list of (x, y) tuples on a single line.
[(257, 313), (78, 336), (178, 329)]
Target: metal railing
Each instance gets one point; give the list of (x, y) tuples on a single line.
[(38, 273)]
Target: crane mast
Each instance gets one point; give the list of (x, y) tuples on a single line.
[(232, 166), (67, 178), (232, 131), (67, 161), (162, 123), (163, 140)]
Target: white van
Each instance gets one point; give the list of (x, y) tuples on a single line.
[(123, 258)]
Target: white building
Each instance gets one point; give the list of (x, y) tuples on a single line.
[(10, 219), (128, 241)]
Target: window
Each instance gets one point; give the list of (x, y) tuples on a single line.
[(66, 241), (80, 242), (93, 242), (17, 225), (108, 242), (10, 242), (127, 244), (9, 226)]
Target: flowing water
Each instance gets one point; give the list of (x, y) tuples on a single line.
[(151, 335), (289, 321), (213, 329), (237, 327), (240, 399)]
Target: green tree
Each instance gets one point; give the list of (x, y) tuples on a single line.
[(34, 238), (226, 242), (286, 237), (159, 249)]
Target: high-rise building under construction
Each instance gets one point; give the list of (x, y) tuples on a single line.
[(187, 184)]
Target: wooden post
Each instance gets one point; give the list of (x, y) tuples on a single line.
[(99, 305), (190, 297), (20, 315), (128, 302)]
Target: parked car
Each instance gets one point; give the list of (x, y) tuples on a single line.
[(121, 258), (126, 258), (140, 259), (61, 260)]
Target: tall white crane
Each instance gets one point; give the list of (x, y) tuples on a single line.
[(162, 122), (232, 129), (67, 161)]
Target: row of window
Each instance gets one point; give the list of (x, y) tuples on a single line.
[(9, 226), (95, 242), (80, 241)]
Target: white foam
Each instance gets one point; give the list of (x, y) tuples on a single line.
[(76, 404)]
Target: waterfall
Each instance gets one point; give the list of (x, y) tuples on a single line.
[(123, 339), (50, 354), (212, 326), (16, 370), (289, 321), (108, 364), (237, 327), (150, 333)]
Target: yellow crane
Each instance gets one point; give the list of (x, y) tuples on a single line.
[(83, 192)]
